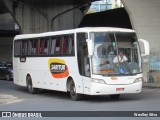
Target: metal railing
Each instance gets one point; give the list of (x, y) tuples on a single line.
[(153, 75)]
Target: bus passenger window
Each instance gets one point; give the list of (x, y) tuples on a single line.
[(71, 45), (41, 47), (33, 47), (46, 44), (61, 45), (53, 45), (37, 47), (24, 48), (29, 47), (58, 46), (65, 45), (17, 45)]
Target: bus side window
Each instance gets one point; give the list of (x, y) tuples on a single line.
[(58, 46), (61, 45), (65, 45), (33, 47), (53, 45), (41, 46), (17, 47), (46, 46), (37, 47), (29, 47), (71, 45), (24, 48), (73, 50)]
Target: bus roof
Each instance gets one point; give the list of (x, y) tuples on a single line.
[(85, 29)]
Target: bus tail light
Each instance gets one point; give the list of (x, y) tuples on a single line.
[(100, 81)]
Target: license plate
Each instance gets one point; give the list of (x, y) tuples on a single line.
[(119, 89)]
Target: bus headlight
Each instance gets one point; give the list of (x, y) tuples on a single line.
[(100, 81), (138, 80)]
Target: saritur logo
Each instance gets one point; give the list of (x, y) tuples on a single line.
[(58, 68)]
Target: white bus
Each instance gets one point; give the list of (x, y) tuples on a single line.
[(79, 61)]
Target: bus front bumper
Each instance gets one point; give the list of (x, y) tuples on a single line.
[(104, 89)]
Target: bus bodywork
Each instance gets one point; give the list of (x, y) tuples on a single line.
[(79, 61)]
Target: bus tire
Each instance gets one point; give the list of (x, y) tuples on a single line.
[(74, 96), (30, 87), (115, 97)]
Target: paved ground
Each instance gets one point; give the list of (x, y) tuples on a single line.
[(4, 98), (151, 85), (18, 99)]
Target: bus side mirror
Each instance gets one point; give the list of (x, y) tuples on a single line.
[(90, 47), (146, 47)]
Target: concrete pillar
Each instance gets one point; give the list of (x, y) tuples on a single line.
[(6, 44), (145, 19)]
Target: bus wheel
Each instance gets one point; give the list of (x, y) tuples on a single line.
[(115, 97), (73, 94), (30, 86)]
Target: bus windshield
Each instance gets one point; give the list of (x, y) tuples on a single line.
[(115, 53)]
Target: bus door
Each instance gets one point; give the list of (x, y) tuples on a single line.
[(86, 71), (83, 61)]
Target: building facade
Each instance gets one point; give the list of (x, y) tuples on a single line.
[(105, 5)]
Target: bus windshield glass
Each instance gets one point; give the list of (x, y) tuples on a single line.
[(116, 53)]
